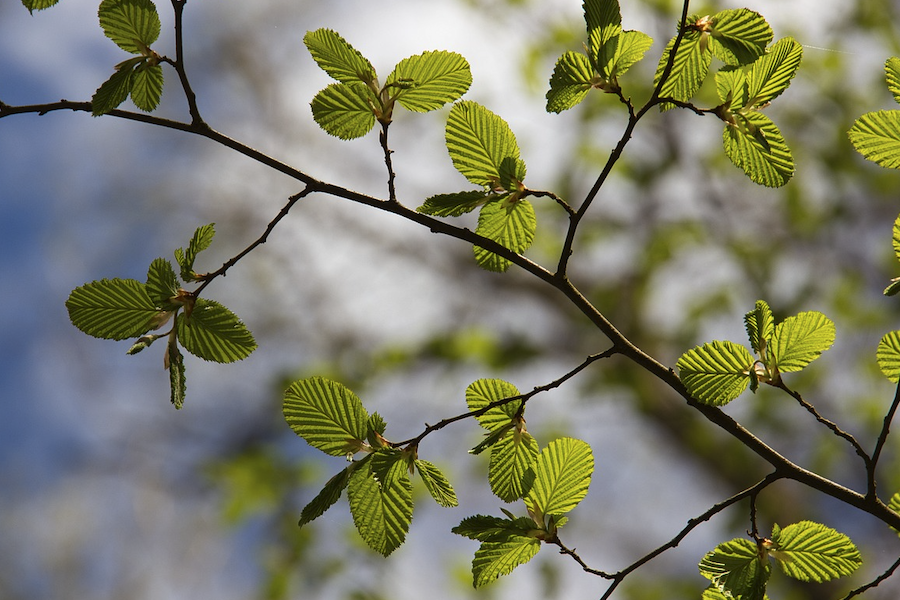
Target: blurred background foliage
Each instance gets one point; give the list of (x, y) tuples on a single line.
[(145, 503)]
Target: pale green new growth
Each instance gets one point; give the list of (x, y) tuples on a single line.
[(760, 325), (429, 80), (162, 285), (185, 257), (562, 474), (799, 340), (112, 309), (716, 373), (330, 494), (327, 415), (132, 24), (479, 142), (436, 484), (888, 355), (813, 552), (381, 501), (739, 36), (734, 568), (344, 110), (212, 332), (511, 225), (876, 135)]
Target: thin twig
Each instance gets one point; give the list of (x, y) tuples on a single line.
[(196, 119), (557, 199), (207, 278), (383, 138), (524, 398), (826, 422), (879, 444)]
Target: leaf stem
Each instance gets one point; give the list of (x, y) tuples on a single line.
[(383, 138)]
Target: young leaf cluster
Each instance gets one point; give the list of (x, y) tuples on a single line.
[(556, 480), (349, 108), (876, 135), (806, 551), (610, 52), (717, 372), (331, 418), (119, 309), (134, 26), (753, 75), (484, 150)]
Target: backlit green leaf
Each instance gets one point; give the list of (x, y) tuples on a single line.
[(482, 392), (631, 48), (876, 135), (755, 145), (739, 36), (604, 24), (327, 415), (510, 225), (799, 340), (735, 568), (430, 80), (716, 373), (161, 283), (487, 528), (33, 5), (212, 332), (570, 82), (895, 238), (200, 241), (436, 483), (813, 552), (132, 24), (478, 142), (888, 355), (343, 111), (894, 505), (562, 474), (510, 472), (494, 559), (338, 58), (114, 91), (772, 73), (688, 71), (760, 326), (892, 76), (112, 309), (382, 510), (147, 86), (174, 362), (325, 499), (453, 205)]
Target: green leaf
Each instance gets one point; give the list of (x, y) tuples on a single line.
[(327, 415), (436, 483), (132, 24), (772, 73), (161, 283), (430, 80), (343, 111), (147, 86), (174, 362), (894, 505), (801, 339), (739, 36), (892, 76), (185, 257), (813, 552), (631, 48), (604, 24), (325, 499), (895, 238), (33, 5), (735, 568), (478, 142), (888, 355), (510, 472), (338, 58), (382, 510), (494, 559), (570, 82), (716, 373), (755, 145), (509, 224), (114, 91), (487, 528), (112, 309), (482, 392), (212, 332), (562, 474), (453, 205), (688, 71), (876, 135), (760, 326)]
